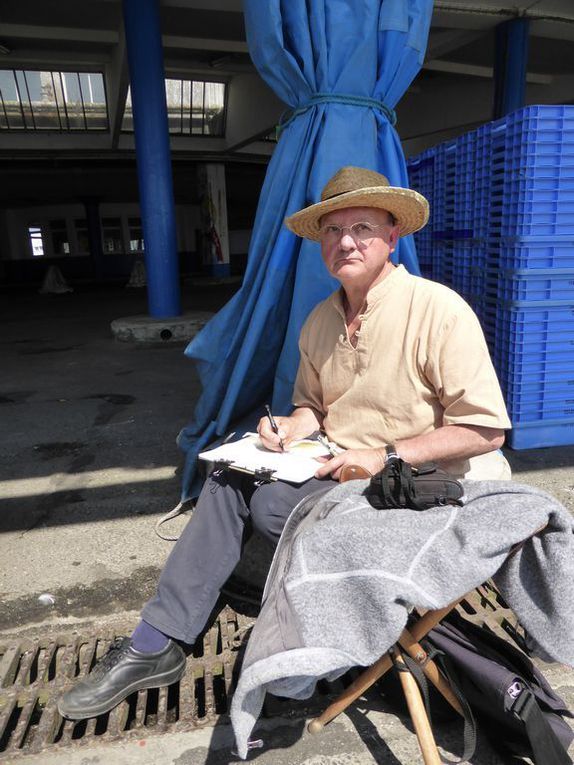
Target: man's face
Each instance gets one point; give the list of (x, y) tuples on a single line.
[(360, 254)]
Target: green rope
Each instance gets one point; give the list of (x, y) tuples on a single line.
[(335, 98)]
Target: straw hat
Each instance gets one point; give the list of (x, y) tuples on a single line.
[(358, 187)]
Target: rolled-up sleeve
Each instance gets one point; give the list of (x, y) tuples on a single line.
[(461, 371)]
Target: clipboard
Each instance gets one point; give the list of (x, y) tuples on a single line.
[(248, 455)]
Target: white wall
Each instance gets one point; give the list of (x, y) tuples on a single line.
[(251, 108)]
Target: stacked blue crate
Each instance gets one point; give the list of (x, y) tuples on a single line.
[(421, 178), (530, 256), (505, 233)]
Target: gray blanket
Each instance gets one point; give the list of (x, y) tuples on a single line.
[(345, 575)]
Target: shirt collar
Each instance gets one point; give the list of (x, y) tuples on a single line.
[(375, 294)]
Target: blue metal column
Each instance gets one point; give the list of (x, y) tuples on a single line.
[(145, 59), (510, 66)]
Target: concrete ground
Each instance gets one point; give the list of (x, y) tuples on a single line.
[(89, 462)]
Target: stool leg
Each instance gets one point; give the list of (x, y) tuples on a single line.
[(377, 670), (417, 711), (350, 694), (428, 666)]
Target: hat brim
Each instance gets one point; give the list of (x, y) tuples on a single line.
[(409, 208)]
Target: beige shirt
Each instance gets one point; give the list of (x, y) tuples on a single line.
[(420, 362)]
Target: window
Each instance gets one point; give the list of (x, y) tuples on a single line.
[(193, 108), (112, 235), (36, 241), (136, 235), (46, 100), (60, 239), (82, 239)]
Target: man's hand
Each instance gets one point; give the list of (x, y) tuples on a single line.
[(300, 424), (372, 460), (285, 430)]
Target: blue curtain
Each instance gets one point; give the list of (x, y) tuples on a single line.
[(341, 65)]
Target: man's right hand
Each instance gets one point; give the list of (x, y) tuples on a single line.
[(285, 433), (300, 424)]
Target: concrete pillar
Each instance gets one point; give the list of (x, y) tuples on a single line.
[(214, 231), (94, 225), (510, 66), (145, 59)]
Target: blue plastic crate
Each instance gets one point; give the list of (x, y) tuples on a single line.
[(535, 391), (536, 435), (528, 404), (524, 415), (552, 122), (514, 373), (510, 333), (421, 172), (513, 346), (509, 183), (531, 253), (559, 365), (555, 315), (554, 396), (544, 284)]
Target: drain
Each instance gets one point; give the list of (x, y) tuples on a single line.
[(34, 674)]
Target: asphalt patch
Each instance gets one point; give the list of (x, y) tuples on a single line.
[(15, 396), (111, 405), (62, 349), (106, 596), (52, 450), (117, 399)]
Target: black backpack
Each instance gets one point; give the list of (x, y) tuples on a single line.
[(510, 698)]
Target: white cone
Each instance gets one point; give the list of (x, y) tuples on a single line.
[(54, 282)]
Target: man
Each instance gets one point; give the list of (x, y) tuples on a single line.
[(390, 362)]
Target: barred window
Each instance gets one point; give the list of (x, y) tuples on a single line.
[(193, 108), (47, 100), (36, 240)]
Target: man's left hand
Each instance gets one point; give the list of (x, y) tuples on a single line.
[(371, 459)]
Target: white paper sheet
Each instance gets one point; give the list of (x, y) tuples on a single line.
[(295, 465)]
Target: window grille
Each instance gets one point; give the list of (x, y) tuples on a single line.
[(46, 100), (36, 240), (193, 108)]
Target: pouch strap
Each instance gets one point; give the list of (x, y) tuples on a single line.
[(547, 748), (470, 728)]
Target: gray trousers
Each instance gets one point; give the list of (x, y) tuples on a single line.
[(210, 547)]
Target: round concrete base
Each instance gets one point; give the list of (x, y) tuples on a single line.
[(145, 329)]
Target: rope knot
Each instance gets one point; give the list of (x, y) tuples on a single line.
[(335, 98)]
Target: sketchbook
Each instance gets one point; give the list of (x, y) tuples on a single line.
[(295, 465)]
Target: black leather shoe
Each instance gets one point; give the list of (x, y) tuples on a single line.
[(120, 672)]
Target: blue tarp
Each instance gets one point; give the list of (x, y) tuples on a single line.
[(330, 60)]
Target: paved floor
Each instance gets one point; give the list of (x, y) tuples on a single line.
[(88, 462)]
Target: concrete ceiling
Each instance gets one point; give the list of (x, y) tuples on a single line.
[(34, 31), (206, 38)]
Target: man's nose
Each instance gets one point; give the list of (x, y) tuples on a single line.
[(347, 242)]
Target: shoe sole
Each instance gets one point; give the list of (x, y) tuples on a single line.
[(157, 681)]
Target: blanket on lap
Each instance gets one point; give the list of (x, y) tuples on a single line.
[(345, 575)]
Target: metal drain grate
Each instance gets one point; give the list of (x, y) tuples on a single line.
[(34, 674), (486, 607)]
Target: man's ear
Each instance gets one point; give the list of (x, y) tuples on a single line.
[(394, 237)]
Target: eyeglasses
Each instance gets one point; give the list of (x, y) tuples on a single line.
[(361, 231)]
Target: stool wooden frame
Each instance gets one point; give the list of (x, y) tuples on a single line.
[(409, 643)]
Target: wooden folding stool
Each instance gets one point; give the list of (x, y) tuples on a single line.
[(409, 643)]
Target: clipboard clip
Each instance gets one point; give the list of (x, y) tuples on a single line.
[(219, 466), (263, 475)]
